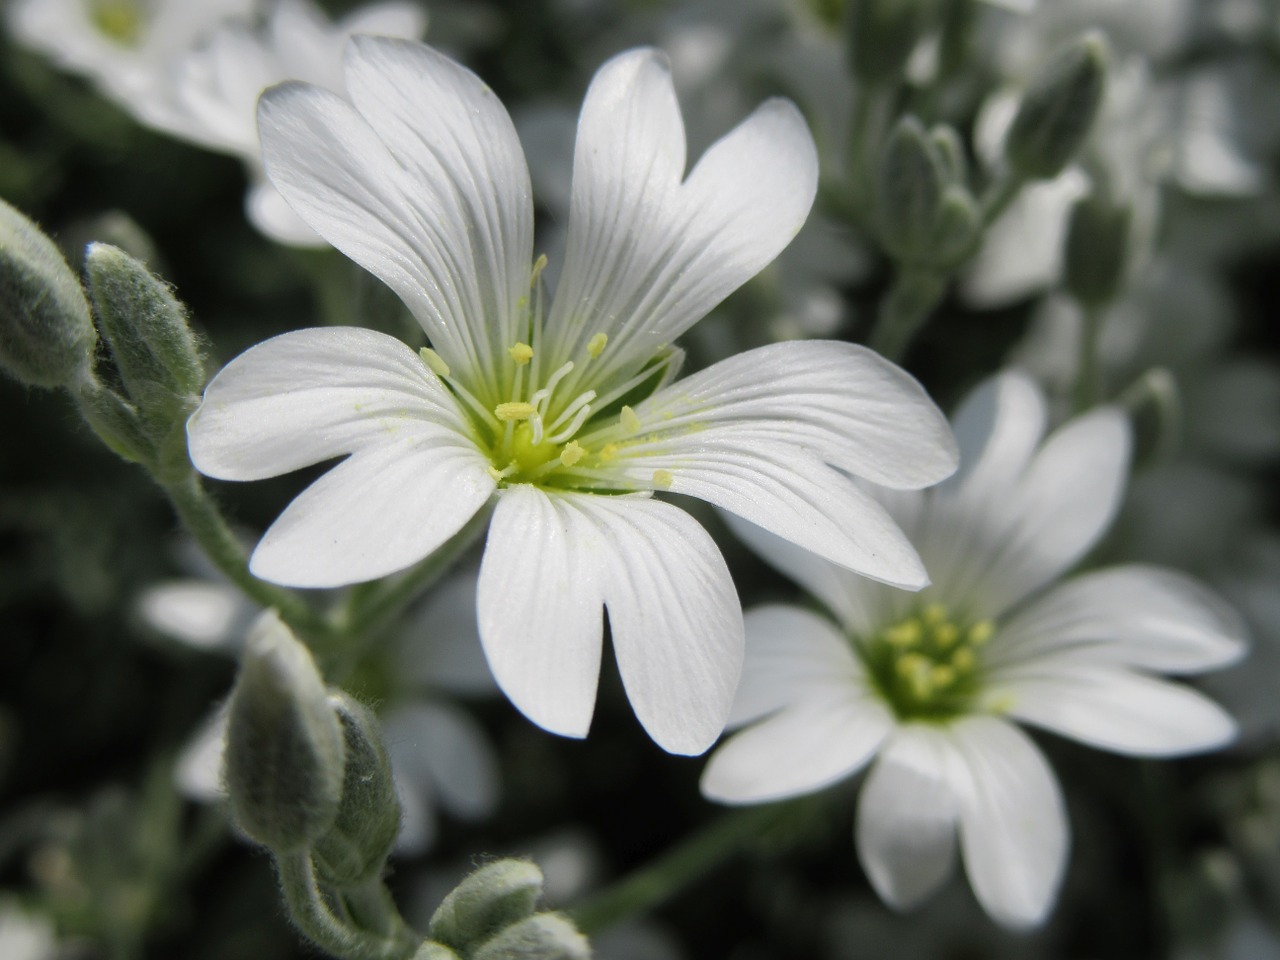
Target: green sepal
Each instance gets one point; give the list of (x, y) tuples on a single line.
[(147, 329), (1057, 112), (486, 901), (116, 422), (959, 228), (285, 745), (430, 950), (910, 184), (47, 338), (356, 847), (543, 936)]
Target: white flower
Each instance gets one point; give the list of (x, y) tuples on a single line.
[(216, 87), (929, 684), (569, 420), (124, 46)]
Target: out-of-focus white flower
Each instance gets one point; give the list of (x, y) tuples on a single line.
[(24, 934), (568, 420), (124, 46), (928, 685), (440, 757), (217, 84)]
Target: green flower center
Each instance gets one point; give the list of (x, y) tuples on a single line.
[(927, 667), (119, 20)]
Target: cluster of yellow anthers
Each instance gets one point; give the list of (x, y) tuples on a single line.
[(926, 665)]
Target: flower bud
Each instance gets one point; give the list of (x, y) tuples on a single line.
[(1097, 249), (883, 35), (1057, 112), (430, 950), (284, 756), (46, 334), (543, 936), (116, 422), (357, 845), (147, 328), (926, 214), (487, 901)]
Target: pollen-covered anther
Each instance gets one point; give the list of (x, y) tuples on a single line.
[(521, 353), (663, 479), (572, 453), (596, 345), (925, 666), (630, 422), (515, 410)]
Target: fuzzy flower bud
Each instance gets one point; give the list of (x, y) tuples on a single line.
[(490, 899), (1058, 111), (357, 845), (1097, 249), (46, 334), (147, 328), (543, 936), (284, 756)]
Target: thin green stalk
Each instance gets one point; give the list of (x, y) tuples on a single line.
[(374, 607), (204, 520), (916, 291), (1089, 370), (318, 923), (676, 869), (371, 907)]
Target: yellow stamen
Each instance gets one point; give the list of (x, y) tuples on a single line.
[(538, 266), (572, 453), (905, 634), (608, 451), (435, 363), (934, 614), (516, 410), (596, 345), (981, 632), (630, 422), (662, 479), (521, 353), (942, 676), (946, 634), (963, 660)]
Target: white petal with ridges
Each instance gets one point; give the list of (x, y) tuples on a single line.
[(798, 750), (539, 601), (906, 821), (381, 510), (311, 395), (791, 654), (997, 428), (1013, 826), (674, 617), (840, 401), (1140, 616), (449, 131), (1113, 709), (648, 255)]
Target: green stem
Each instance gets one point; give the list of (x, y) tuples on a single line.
[(317, 922), (652, 884), (916, 291), (1088, 371), (204, 520), (377, 605), (371, 907)]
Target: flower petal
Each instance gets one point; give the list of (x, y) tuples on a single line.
[(674, 617), (441, 649), (311, 395), (383, 509), (438, 748), (997, 428), (990, 550), (647, 255), (906, 823), (449, 131), (791, 655), (1013, 826), (539, 601), (849, 406), (798, 750), (1139, 616), (1113, 709), (415, 226)]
